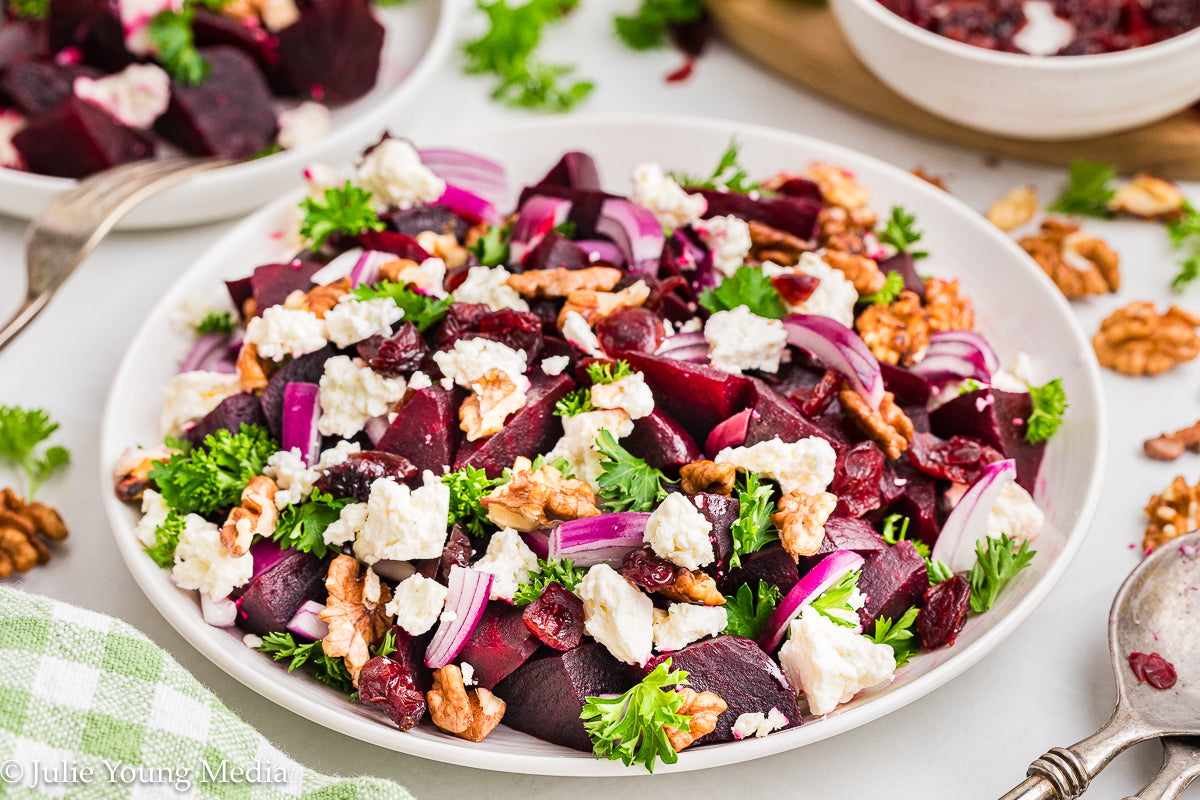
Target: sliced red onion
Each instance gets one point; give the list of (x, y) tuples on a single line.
[(341, 266), (940, 368), (966, 341), (873, 247), (469, 172), (366, 269), (469, 205), (218, 613), (465, 602), (538, 541), (816, 581), (301, 412), (730, 433), (210, 353), (967, 523), (375, 428), (265, 554), (394, 571), (537, 217), (607, 538), (840, 349), (635, 231), (691, 347), (306, 623), (602, 250)]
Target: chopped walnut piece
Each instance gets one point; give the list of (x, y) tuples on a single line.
[(888, 427), (252, 371), (391, 270), (693, 587), (1078, 264), (354, 621), (530, 499), (933, 180), (1172, 513), (838, 187), (703, 708), (860, 270), (275, 14), (772, 244), (801, 521), (22, 529), (594, 306), (321, 299), (842, 230), (1014, 209), (1170, 446), (897, 333), (131, 473), (560, 282), (444, 246), (1148, 197), (256, 516), (708, 476), (948, 307), (471, 715), (493, 399), (1135, 340)]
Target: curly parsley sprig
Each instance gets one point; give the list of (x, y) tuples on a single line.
[(647, 28), (898, 635), (893, 284), (900, 232), (630, 727), (747, 287), (752, 531), (627, 483), (327, 669), (552, 570), (1185, 233), (22, 431), (211, 477), (727, 176), (347, 210), (1049, 405), (467, 486), (749, 611), (1088, 192), (997, 562)]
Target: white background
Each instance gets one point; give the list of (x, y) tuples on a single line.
[(1048, 684)]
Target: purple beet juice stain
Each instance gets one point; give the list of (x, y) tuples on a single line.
[(1153, 669)]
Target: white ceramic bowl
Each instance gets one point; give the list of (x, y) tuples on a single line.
[(419, 36), (1017, 307), (1023, 96)]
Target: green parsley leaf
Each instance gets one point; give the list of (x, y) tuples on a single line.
[(1184, 231), (302, 526), (422, 310), (646, 29), (1049, 405), (1189, 270), (216, 322), (563, 572), (576, 402), (327, 669), (834, 602), (901, 233), (269, 150), (21, 432), (1089, 189), (602, 372), (898, 635), (997, 562), (728, 176), (347, 210), (968, 386), (895, 529), (750, 611), (938, 571), (166, 537), (170, 33), (752, 530), (627, 483), (747, 287), (386, 646), (492, 247), (210, 478), (630, 727), (30, 9), (467, 485), (892, 286)]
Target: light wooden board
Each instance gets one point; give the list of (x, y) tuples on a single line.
[(803, 43)]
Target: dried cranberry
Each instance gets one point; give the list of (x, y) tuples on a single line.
[(556, 618), (520, 330), (387, 686), (630, 330), (457, 552), (944, 612), (1153, 669), (648, 570), (961, 459), (403, 352), (354, 476), (460, 319), (795, 287), (822, 394), (856, 479)]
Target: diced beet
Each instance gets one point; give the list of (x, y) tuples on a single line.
[(846, 533), (76, 138), (998, 419), (232, 413), (354, 476), (696, 395), (892, 580), (499, 644), (771, 564), (740, 673), (944, 612), (519, 330), (331, 53), (400, 244), (555, 618), (777, 417), (211, 29), (856, 479), (228, 115), (631, 329), (919, 501), (961, 459), (647, 570), (662, 442), (401, 353), (386, 685), (532, 430), (919, 417), (425, 430), (802, 372), (37, 86), (555, 251), (721, 512), (20, 39), (902, 262), (307, 368), (410, 654), (575, 170), (272, 283), (796, 216), (93, 27), (269, 601), (416, 220), (799, 187), (546, 696), (908, 388)]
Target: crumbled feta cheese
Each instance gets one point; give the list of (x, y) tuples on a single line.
[(678, 532), (1044, 32), (831, 663), (337, 455), (448, 616), (691, 326), (394, 175), (510, 560), (471, 359), (468, 674), (662, 196), (617, 614), (428, 277), (135, 21), (320, 177), (252, 641), (834, 296), (803, 466), (419, 381), (684, 623), (191, 395), (347, 526), (154, 513), (489, 286), (576, 330), (416, 603), (353, 320), (189, 313), (281, 332), (554, 365), (1016, 514), (740, 340), (203, 563), (728, 238), (578, 442), (294, 478), (631, 394), (303, 125), (351, 393), (758, 724), (404, 524), (11, 124), (1017, 377), (135, 96)]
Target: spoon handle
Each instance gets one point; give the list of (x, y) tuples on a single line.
[(1064, 773), (1181, 766)]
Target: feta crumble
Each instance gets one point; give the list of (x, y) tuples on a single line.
[(154, 513), (303, 125), (617, 615), (678, 532), (489, 286), (684, 623), (471, 359), (739, 340), (834, 296), (419, 381), (554, 365), (353, 320), (728, 239), (351, 393), (510, 560), (402, 523), (804, 466), (578, 442), (428, 277), (1016, 514), (281, 332), (135, 21), (416, 603), (135, 96), (830, 663), (203, 563), (468, 674), (630, 394), (294, 478), (664, 198), (394, 175), (192, 395), (758, 724), (347, 526), (576, 330)]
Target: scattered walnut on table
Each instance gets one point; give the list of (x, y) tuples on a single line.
[(693, 587), (531, 498), (356, 619), (560, 282), (1078, 264), (1172, 513), (948, 307), (256, 516), (493, 398), (471, 715), (1136, 340), (801, 521), (1014, 209), (708, 476), (1148, 197), (897, 333), (1170, 446), (703, 708), (860, 270), (888, 426), (594, 306), (23, 526)]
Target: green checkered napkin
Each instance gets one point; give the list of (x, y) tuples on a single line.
[(91, 708)]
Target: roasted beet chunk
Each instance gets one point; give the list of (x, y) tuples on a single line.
[(856, 479), (332, 52), (35, 87), (354, 476), (425, 430), (647, 570), (269, 601), (944, 612), (233, 412), (76, 138), (500, 643), (530, 431), (662, 442), (960, 459), (998, 420), (771, 564), (401, 353), (892, 580), (387, 686), (556, 618)]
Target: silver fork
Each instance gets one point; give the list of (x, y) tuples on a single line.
[(74, 222)]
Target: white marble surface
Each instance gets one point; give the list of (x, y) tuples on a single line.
[(1048, 684)]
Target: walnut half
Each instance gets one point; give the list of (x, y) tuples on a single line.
[(471, 715), (708, 476), (1172, 513), (888, 427), (703, 708), (256, 516), (801, 521), (1136, 340), (694, 587), (530, 498)]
